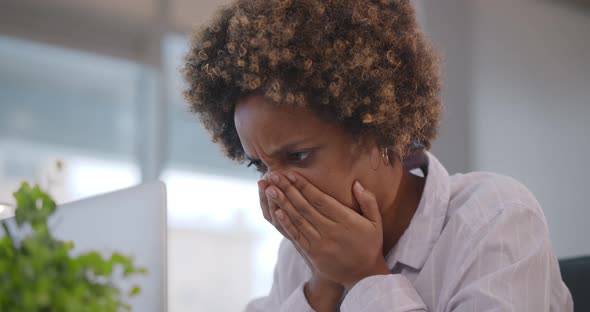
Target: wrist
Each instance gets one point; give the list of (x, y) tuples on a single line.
[(380, 268), (323, 295), (324, 285)]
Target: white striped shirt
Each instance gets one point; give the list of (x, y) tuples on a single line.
[(477, 242)]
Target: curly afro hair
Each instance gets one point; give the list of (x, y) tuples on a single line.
[(362, 63)]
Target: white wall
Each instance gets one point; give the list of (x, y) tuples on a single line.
[(531, 108), (449, 25), (210, 271)]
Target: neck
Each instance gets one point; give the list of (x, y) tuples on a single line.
[(397, 218)]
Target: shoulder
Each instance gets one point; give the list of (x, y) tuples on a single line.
[(478, 199), (495, 234), (493, 216)]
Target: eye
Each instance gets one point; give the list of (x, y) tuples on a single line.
[(299, 156), (260, 167)]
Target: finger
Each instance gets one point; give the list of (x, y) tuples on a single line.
[(271, 208), (275, 220), (268, 208), (297, 220), (296, 236), (305, 207), (262, 185), (368, 203), (325, 205), (279, 227)]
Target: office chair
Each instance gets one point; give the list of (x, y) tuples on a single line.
[(576, 276)]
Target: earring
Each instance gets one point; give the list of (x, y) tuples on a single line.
[(385, 156)]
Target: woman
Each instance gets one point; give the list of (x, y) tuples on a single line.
[(336, 104)]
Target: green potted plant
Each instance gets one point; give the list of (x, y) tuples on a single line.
[(38, 272)]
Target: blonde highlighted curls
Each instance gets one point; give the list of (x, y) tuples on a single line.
[(362, 63)]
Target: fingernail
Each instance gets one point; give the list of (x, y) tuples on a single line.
[(274, 178), (359, 188), (291, 177), (271, 192), (280, 215)]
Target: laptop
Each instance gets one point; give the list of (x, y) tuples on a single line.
[(130, 221)]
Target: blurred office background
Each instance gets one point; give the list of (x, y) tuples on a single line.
[(95, 84)]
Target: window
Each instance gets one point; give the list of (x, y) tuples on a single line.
[(62, 105)]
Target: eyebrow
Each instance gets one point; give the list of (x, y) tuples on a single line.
[(282, 148)]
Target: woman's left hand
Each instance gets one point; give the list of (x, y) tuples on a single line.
[(341, 244)]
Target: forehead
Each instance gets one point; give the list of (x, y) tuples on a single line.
[(255, 115), (259, 122)]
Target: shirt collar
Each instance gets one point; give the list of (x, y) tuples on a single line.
[(416, 243)]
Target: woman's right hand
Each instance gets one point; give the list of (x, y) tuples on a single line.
[(322, 294), (269, 208)]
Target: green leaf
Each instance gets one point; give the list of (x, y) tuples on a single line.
[(134, 291)]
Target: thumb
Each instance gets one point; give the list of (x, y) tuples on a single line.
[(368, 202)]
